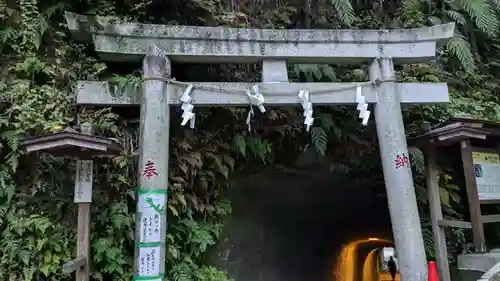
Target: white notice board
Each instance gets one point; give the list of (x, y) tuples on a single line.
[(487, 172), (83, 181)]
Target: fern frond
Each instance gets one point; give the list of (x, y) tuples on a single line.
[(412, 9), (12, 139), (319, 139), (456, 17), (434, 20), (460, 48), (483, 15), (345, 11)]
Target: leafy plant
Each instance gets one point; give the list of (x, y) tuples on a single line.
[(40, 66)]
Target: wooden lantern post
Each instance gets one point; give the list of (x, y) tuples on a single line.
[(479, 166), (83, 146)]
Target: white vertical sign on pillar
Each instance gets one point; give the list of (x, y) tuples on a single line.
[(83, 181), (149, 263), (153, 207)]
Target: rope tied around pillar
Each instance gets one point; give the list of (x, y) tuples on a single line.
[(376, 83)]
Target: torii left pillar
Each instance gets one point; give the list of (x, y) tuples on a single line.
[(151, 220)]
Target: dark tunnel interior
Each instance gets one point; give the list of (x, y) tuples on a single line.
[(292, 227)]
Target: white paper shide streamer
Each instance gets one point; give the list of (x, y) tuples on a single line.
[(256, 99), (307, 106), (362, 107), (187, 107)]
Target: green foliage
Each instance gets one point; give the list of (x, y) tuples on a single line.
[(345, 11), (37, 217), (32, 246), (468, 15), (208, 273), (40, 65), (319, 139), (450, 199)]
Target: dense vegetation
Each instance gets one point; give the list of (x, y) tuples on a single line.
[(39, 66)]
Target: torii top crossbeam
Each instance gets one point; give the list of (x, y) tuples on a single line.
[(130, 42)]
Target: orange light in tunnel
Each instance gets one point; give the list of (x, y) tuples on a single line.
[(370, 266), (346, 265), (345, 269)]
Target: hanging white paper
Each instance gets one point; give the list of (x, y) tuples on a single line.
[(362, 106), (366, 118), (149, 261), (83, 181), (256, 98), (187, 108), (150, 228), (186, 96), (308, 108)]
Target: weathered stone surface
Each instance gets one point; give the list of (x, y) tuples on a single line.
[(119, 42), (478, 261), (493, 274), (274, 71), (98, 93), (398, 179), (154, 150)]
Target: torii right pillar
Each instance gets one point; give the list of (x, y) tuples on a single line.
[(397, 174)]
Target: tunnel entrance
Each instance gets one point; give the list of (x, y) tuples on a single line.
[(290, 227)]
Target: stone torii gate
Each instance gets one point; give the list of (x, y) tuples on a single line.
[(157, 45)]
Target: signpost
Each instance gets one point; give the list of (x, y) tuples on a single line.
[(157, 45), (83, 146), (83, 197)]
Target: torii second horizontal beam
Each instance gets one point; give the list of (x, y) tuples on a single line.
[(97, 93)]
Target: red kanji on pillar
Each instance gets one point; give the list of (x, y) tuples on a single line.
[(149, 171), (402, 161)]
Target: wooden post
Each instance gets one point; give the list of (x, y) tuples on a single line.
[(83, 197), (431, 175), (473, 197)]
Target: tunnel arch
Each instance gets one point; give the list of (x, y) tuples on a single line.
[(372, 266), (293, 227), (370, 270), (352, 259)]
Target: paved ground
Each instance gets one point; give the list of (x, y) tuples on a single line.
[(384, 276)]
